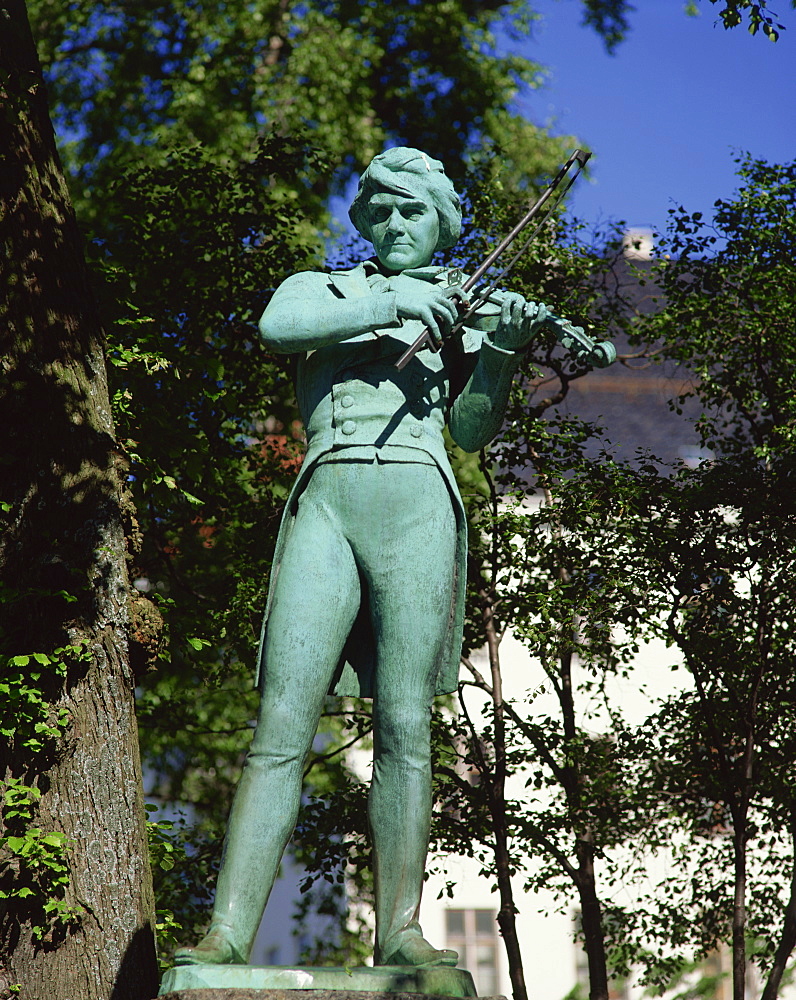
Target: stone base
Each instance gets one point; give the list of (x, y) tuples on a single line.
[(244, 994), (273, 982)]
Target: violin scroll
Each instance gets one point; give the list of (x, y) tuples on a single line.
[(597, 353)]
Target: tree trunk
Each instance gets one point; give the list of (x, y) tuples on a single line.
[(64, 581), (739, 915), (591, 918), (787, 941), (497, 806), (591, 913)]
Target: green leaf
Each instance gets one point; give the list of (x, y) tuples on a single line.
[(54, 839)]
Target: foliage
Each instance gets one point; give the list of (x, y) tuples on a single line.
[(715, 760), (129, 82), (758, 15), (728, 286), (623, 552), (717, 546), (30, 720), (198, 413), (184, 869), (33, 868)]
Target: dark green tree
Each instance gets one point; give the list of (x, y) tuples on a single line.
[(130, 82), (719, 554), (700, 557), (76, 906), (207, 427), (531, 576), (703, 558)]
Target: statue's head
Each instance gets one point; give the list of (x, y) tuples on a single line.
[(406, 207)]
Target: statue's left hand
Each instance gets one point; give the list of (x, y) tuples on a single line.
[(519, 322)]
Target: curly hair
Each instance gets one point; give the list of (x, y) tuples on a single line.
[(406, 171)]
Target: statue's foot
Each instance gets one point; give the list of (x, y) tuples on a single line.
[(412, 949), (215, 948)]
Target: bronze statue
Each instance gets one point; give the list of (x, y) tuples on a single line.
[(367, 588)]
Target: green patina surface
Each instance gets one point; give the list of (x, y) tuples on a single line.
[(372, 549)]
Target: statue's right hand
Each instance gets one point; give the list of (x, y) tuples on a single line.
[(435, 306)]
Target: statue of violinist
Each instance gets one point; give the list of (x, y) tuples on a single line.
[(367, 588)]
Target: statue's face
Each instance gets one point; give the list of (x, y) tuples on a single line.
[(404, 230)]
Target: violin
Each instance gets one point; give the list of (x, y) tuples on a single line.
[(598, 354), (595, 353)]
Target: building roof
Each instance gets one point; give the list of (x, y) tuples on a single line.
[(631, 398)]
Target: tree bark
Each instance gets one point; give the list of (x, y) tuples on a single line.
[(63, 534), (787, 941), (739, 911), (497, 806), (591, 919), (590, 910)]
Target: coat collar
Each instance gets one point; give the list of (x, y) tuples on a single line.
[(353, 283)]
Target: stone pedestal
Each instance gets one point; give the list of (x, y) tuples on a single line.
[(245, 994), (268, 982)]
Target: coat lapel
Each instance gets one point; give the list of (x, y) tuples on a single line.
[(351, 284)]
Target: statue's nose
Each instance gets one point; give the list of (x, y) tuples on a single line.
[(396, 223)]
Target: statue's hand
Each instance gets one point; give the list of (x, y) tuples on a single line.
[(435, 306), (519, 322)]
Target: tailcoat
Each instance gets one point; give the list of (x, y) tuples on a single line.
[(356, 405)]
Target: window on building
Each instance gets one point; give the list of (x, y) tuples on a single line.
[(473, 933)]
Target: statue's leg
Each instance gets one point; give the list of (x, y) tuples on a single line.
[(410, 577), (315, 602)]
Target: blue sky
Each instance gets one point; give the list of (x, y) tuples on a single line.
[(664, 114)]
